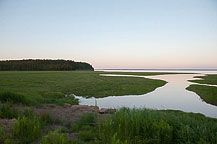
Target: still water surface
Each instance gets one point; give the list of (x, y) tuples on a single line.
[(173, 96)]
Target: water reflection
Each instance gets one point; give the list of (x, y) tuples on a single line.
[(171, 96)]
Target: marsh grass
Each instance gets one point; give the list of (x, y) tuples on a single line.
[(10, 141), (207, 93), (60, 101), (54, 137), (126, 126), (86, 135), (27, 129), (7, 96), (86, 122), (29, 113), (207, 79), (46, 118), (49, 86), (2, 134), (8, 111), (149, 126)]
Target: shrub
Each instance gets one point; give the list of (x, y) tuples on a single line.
[(8, 111), (14, 98), (27, 129), (54, 137)]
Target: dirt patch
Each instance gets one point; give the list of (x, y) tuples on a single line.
[(65, 114), (7, 124)]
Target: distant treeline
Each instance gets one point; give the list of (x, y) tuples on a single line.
[(43, 65)]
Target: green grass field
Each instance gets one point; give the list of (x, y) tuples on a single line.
[(208, 79), (207, 93), (52, 85)]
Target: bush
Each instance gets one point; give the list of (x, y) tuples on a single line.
[(14, 98), (8, 111), (54, 137), (27, 129)]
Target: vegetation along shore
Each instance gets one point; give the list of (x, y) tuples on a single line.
[(207, 93), (37, 107)]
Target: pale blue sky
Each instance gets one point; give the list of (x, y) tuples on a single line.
[(112, 33)]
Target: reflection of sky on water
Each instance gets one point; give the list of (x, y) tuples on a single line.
[(171, 96)]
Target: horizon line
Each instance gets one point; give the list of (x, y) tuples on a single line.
[(176, 69)]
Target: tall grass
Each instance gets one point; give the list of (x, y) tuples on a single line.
[(86, 135), (27, 129), (86, 122), (54, 137), (148, 126), (8, 111), (2, 134), (14, 98)]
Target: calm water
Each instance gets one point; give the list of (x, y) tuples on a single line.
[(173, 95)]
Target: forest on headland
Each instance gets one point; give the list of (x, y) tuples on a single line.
[(43, 65)]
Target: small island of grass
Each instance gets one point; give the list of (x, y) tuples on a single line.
[(207, 79), (207, 93)]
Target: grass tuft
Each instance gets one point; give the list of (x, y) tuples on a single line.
[(14, 98), (87, 121), (8, 111), (86, 136), (54, 137), (27, 129)]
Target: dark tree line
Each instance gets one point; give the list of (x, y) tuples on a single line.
[(43, 65)]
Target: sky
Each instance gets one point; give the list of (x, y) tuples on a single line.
[(112, 33)]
